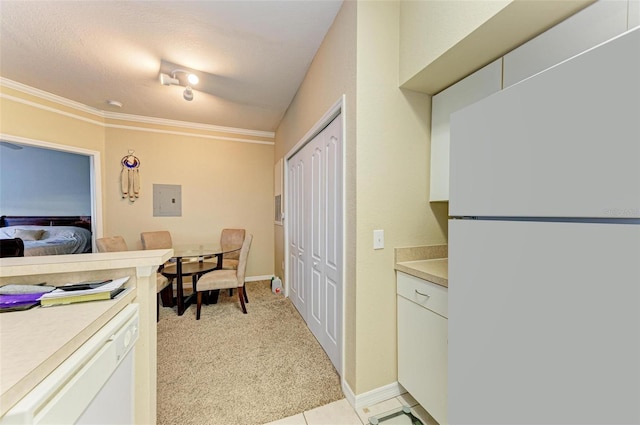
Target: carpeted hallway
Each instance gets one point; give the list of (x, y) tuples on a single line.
[(231, 368)]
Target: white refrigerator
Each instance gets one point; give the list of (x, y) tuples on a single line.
[(544, 246)]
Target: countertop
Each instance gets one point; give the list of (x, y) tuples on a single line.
[(33, 343), (425, 262)]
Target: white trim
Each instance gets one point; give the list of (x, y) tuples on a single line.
[(126, 127), (49, 96), (257, 278), (372, 397), (41, 94), (181, 133), (186, 124), (49, 108), (336, 109), (348, 392), (95, 175), (328, 116)]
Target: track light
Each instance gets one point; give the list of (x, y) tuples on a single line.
[(193, 79), (167, 80), (172, 79), (188, 94)]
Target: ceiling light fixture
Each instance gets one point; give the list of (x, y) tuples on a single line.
[(188, 94), (191, 79)]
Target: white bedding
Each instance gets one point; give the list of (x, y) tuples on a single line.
[(55, 240)]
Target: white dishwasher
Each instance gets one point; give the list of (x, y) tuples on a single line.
[(93, 386)]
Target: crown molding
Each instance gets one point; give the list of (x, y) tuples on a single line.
[(41, 94), (186, 124), (184, 133)]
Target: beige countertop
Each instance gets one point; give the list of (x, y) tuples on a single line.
[(424, 262), (33, 343)]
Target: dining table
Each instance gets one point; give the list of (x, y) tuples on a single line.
[(190, 260)]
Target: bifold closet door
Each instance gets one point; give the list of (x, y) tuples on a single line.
[(315, 229)]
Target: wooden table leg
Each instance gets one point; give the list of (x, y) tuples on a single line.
[(180, 295)]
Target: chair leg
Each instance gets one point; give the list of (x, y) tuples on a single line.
[(158, 307), (166, 295), (231, 292), (241, 297), (214, 296), (244, 291), (199, 305)]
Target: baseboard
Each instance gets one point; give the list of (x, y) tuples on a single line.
[(257, 278), (372, 397), (348, 393)]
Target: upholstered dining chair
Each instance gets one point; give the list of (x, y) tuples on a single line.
[(116, 244), (231, 239), (226, 279), (11, 248), (160, 239), (111, 244)]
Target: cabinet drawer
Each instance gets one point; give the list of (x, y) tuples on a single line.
[(424, 293)]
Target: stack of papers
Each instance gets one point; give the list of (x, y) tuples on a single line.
[(106, 291), (21, 297)]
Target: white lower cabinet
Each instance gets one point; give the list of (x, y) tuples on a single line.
[(422, 343)]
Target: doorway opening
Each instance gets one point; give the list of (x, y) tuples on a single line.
[(12, 142)]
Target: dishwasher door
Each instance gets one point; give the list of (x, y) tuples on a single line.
[(93, 386)]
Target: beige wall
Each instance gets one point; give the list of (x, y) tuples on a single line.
[(19, 118), (331, 75), (387, 157), (424, 38), (224, 183), (393, 182)]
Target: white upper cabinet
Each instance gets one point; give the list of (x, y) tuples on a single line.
[(591, 26), (475, 87), (634, 14)]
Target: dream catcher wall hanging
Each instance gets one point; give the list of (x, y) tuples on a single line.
[(130, 177)]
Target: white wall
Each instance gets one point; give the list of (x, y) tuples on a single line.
[(36, 182)]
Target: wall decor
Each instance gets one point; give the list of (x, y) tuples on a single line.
[(130, 177)]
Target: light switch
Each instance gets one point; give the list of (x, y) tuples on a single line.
[(378, 239)]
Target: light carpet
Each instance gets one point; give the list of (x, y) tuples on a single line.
[(247, 369)]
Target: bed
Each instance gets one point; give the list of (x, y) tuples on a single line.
[(49, 235)]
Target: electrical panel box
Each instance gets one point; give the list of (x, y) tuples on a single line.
[(167, 200)]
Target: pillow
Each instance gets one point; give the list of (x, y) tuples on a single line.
[(28, 235)]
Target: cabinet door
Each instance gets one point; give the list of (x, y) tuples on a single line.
[(422, 357), (591, 26), (476, 86), (634, 14)]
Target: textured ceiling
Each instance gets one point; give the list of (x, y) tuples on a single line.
[(253, 55)]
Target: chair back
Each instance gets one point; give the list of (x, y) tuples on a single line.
[(244, 254), (156, 240), (111, 244), (232, 239), (11, 248)]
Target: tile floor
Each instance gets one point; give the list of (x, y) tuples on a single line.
[(341, 413)]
